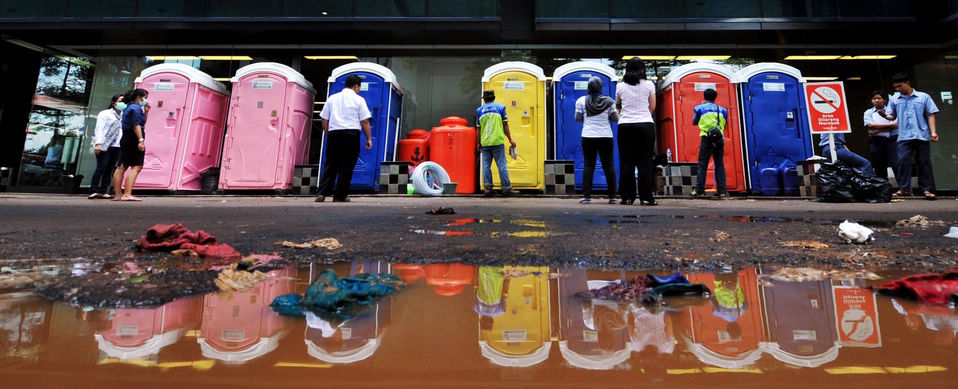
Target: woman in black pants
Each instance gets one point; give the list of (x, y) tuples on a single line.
[(635, 97), (596, 111)]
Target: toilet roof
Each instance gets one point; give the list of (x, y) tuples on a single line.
[(193, 74), (368, 67), (750, 71), (513, 66), (572, 67), (286, 71), (676, 74)]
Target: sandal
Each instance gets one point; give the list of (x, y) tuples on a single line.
[(899, 194), (930, 196)]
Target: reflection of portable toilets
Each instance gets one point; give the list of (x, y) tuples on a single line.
[(775, 126), (268, 128), (728, 332), (582, 337), (184, 129), (384, 98), (569, 83), (521, 87), (521, 336), (678, 94), (138, 333), (449, 279), (241, 326), (800, 322)]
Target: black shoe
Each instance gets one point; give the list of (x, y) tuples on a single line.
[(585, 201), (649, 203), (320, 198), (487, 193), (613, 201), (509, 193), (343, 200), (627, 202)]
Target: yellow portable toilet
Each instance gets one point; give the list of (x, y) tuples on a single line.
[(515, 332), (521, 87)]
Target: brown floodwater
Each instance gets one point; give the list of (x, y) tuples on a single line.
[(467, 326)]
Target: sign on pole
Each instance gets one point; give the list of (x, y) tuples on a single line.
[(827, 111), (856, 314)]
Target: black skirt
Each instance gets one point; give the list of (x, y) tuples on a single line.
[(130, 154)]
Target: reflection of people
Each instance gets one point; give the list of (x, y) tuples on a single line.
[(493, 126), (729, 301), (635, 96), (343, 115), (915, 112), (596, 111), (710, 117), (883, 137), (132, 143), (653, 330), (491, 293), (106, 147)]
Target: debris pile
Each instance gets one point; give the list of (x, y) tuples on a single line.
[(233, 280), (338, 298), (180, 240), (326, 243), (800, 274), (854, 233), (805, 244), (650, 290), (919, 221)]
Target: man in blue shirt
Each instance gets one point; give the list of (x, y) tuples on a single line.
[(915, 112), (709, 116)]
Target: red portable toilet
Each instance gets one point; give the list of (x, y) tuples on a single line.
[(268, 127), (415, 148), (728, 332), (679, 93), (449, 279), (139, 333), (453, 146), (184, 129), (241, 326)]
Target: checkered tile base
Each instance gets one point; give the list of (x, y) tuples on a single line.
[(305, 180), (560, 177), (659, 180), (679, 178), (807, 185), (394, 176)]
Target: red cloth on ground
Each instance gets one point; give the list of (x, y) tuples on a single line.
[(926, 288), (169, 237)]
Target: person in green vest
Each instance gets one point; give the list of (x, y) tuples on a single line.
[(493, 130)]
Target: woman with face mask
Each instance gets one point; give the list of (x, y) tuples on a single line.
[(132, 144), (106, 147), (596, 111)]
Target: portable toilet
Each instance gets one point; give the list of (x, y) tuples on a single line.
[(590, 338), (184, 130), (727, 332), (569, 83), (680, 91), (521, 336), (521, 87), (268, 127), (384, 98), (800, 322), (139, 333), (241, 326), (775, 126)]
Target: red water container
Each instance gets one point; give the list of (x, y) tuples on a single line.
[(453, 146), (415, 148)]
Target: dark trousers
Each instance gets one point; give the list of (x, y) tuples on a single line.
[(717, 152), (884, 154), (342, 150), (103, 174), (921, 150), (636, 151), (603, 147)]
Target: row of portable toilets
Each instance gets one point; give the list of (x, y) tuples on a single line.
[(264, 126)]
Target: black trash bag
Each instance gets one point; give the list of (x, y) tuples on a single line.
[(839, 183)]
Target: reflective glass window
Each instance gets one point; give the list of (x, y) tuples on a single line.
[(243, 8), (100, 8), (32, 8), (171, 8)]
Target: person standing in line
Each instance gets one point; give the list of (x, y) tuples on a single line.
[(106, 147), (845, 155), (915, 113), (132, 143), (635, 97), (343, 115), (883, 137), (493, 130), (711, 119), (596, 112)]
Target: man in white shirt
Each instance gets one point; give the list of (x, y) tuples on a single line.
[(343, 115)]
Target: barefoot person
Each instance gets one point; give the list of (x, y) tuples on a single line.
[(132, 143)]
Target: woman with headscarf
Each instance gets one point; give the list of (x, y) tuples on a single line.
[(596, 111), (106, 147), (635, 97)]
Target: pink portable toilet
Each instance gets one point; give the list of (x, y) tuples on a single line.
[(184, 129), (139, 333), (241, 327), (268, 127)]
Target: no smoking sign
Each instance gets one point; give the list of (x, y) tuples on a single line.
[(827, 111)]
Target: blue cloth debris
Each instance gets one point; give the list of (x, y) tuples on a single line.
[(338, 298)]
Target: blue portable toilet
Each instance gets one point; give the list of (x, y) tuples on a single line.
[(384, 99), (569, 82), (775, 124)]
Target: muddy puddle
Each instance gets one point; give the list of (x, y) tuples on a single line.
[(467, 326)]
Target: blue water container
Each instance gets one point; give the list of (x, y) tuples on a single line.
[(384, 98), (569, 82), (770, 182), (790, 180)]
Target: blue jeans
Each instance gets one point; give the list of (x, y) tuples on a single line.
[(717, 152), (499, 154), (856, 161), (921, 150)]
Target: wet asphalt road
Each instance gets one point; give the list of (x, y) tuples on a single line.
[(681, 234)]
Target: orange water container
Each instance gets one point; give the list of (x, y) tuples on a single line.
[(453, 146), (449, 279), (415, 148)]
